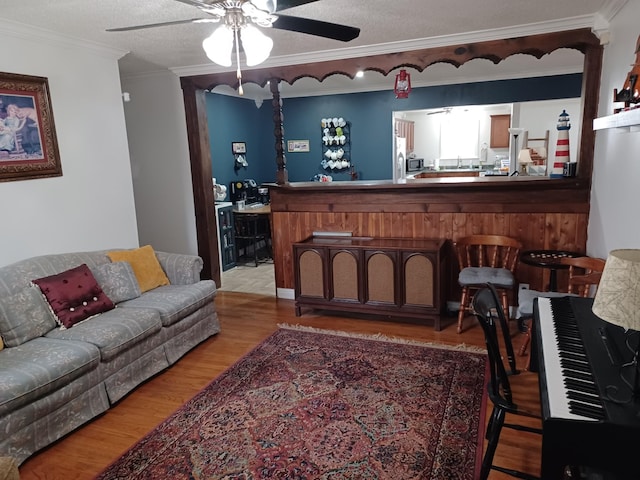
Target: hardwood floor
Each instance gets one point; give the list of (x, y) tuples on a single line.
[(246, 320)]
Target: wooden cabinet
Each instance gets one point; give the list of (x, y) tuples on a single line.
[(394, 277), (500, 131)]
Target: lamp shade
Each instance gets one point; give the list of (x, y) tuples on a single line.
[(524, 156), (617, 300), (219, 45), (257, 46)]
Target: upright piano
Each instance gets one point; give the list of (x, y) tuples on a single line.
[(588, 416)]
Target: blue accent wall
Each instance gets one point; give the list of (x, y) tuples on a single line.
[(232, 119), (369, 115)]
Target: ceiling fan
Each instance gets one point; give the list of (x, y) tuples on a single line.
[(444, 110), (263, 13), (239, 20)]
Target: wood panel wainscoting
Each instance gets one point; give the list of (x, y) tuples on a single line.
[(542, 213)]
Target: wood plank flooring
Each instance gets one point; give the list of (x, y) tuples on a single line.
[(246, 320)]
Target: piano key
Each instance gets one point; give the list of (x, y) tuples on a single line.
[(557, 391)]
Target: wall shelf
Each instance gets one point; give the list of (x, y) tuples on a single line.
[(629, 120)]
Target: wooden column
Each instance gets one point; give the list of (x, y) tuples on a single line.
[(282, 176), (200, 154)]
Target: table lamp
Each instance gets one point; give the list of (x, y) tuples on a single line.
[(524, 159), (617, 301)]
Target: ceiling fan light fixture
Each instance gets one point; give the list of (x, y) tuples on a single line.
[(257, 46), (219, 45)]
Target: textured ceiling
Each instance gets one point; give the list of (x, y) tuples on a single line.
[(385, 25)]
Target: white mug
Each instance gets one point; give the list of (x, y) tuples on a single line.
[(328, 153), (340, 153)]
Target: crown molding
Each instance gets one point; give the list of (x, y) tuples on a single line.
[(573, 23), (34, 34)]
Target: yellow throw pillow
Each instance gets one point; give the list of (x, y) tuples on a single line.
[(145, 264)]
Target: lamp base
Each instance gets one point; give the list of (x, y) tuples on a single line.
[(523, 169)]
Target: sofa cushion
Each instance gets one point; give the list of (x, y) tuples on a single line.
[(41, 366), (74, 295), (23, 316), (175, 302), (113, 331), (500, 277), (117, 281), (145, 266)]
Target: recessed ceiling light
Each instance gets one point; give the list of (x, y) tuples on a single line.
[(360, 74)]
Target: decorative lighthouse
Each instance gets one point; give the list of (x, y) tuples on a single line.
[(562, 145)]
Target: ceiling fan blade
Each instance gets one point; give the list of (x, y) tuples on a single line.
[(161, 24), (284, 4), (318, 28)]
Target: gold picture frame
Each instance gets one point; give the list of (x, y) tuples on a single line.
[(28, 142)]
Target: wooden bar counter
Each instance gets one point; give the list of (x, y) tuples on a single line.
[(542, 213)]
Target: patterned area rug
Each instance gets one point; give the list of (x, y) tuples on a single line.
[(323, 405)]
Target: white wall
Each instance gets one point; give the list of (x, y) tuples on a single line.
[(614, 221), (91, 206), (160, 162)]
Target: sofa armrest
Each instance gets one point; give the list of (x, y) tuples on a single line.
[(181, 269)]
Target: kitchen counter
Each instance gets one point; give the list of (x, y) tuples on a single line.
[(455, 172)]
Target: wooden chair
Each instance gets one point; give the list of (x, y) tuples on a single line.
[(488, 310), (486, 259), (584, 277)]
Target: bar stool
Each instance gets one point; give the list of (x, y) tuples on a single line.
[(252, 232)]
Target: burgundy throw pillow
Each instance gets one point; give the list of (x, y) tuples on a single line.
[(74, 295)]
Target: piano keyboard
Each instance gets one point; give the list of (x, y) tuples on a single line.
[(571, 387)]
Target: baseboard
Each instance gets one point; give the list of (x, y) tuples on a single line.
[(286, 293)]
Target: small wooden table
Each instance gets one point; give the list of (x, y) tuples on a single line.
[(550, 259)]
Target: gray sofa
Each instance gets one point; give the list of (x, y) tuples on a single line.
[(53, 379)]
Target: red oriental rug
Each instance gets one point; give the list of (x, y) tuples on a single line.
[(310, 404)]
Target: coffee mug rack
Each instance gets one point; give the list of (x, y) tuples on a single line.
[(336, 144)]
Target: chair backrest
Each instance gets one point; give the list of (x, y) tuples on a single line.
[(584, 273), (487, 308), (496, 251)]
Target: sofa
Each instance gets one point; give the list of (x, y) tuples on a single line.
[(56, 375)]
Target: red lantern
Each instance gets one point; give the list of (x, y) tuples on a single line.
[(402, 87)]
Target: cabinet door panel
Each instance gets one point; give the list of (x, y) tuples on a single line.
[(311, 274), (380, 278), (344, 268), (419, 281)]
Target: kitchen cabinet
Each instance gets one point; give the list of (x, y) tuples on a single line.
[(500, 131), (399, 278)]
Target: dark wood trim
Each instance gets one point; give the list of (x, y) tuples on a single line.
[(520, 196), (481, 195), (457, 55), (201, 174)]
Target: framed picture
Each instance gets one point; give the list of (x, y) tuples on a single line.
[(238, 147), (298, 145), (28, 143)]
